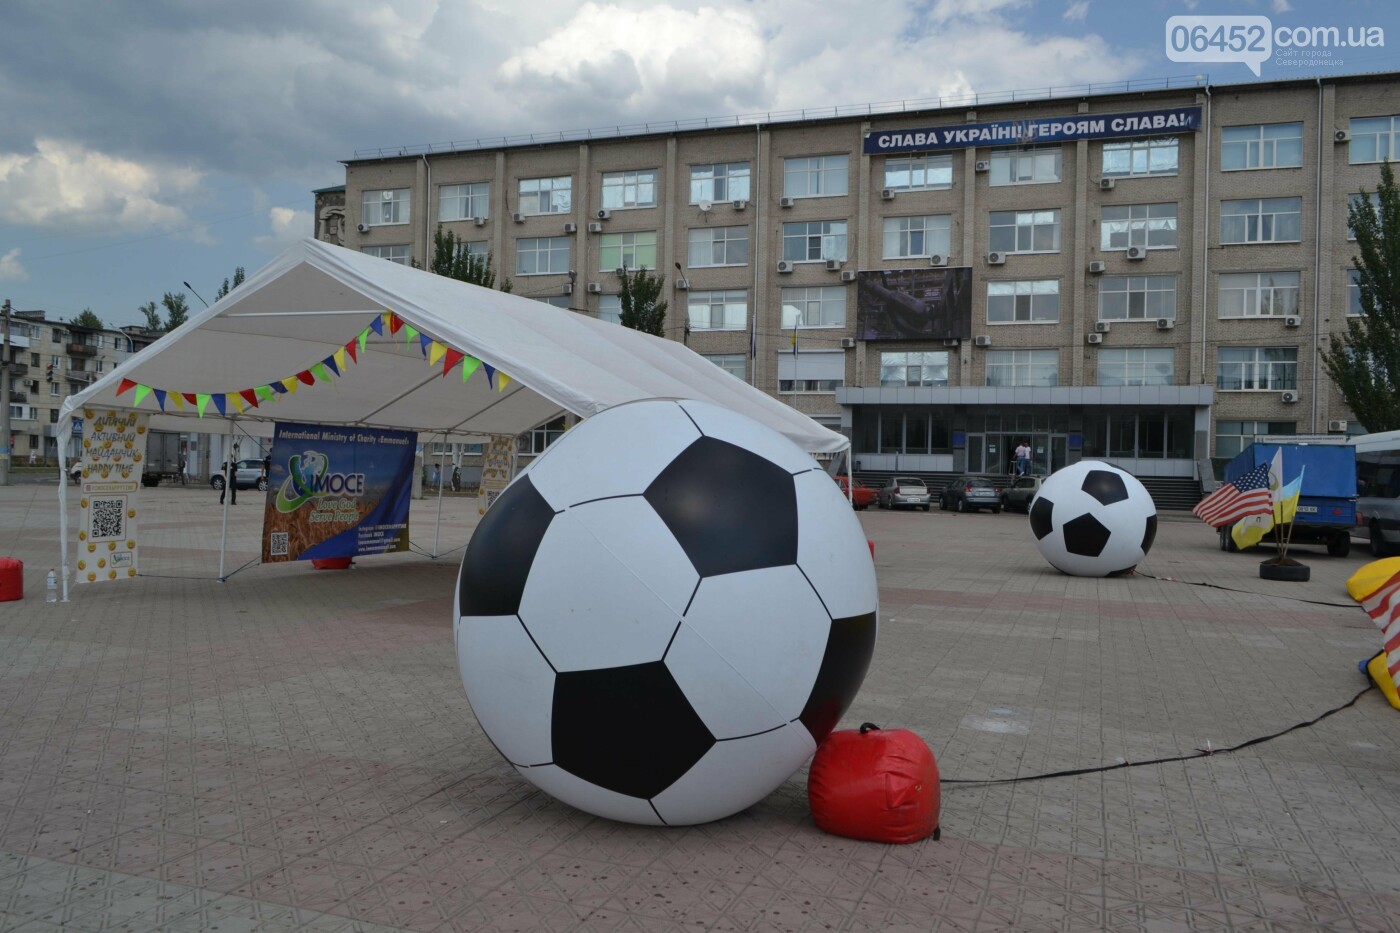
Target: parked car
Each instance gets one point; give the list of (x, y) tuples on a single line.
[(904, 492), (247, 473), (968, 494), (861, 495), (1017, 497)]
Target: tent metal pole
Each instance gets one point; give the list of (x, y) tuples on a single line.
[(64, 419), (437, 532), (230, 483)]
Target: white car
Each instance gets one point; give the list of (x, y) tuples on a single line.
[(904, 492)]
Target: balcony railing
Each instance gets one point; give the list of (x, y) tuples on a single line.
[(81, 377), (81, 349), (17, 369)]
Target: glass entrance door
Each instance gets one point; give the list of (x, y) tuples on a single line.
[(1059, 451), (976, 447)]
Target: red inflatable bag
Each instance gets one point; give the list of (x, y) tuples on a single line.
[(875, 784)]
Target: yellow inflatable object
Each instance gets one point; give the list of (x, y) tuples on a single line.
[(1381, 675)]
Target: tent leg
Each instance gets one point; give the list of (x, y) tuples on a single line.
[(63, 500), (437, 531)]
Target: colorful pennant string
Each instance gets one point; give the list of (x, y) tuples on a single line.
[(337, 364)]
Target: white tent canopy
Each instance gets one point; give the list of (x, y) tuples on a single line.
[(312, 299)]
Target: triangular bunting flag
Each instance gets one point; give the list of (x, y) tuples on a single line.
[(263, 392), (453, 358), (360, 342), (490, 374), (306, 377), (329, 363), (141, 392), (424, 341), (237, 402), (250, 396), (190, 397), (160, 398), (409, 333), (126, 384), (435, 352), (394, 323), (179, 404), (280, 386), (469, 366), (203, 401), (502, 380), (221, 403), (319, 370), (376, 325), (340, 359), (291, 384)]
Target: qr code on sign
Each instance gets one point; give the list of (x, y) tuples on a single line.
[(108, 519), (277, 544)]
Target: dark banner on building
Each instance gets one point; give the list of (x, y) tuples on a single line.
[(1030, 132), (337, 492), (914, 304)]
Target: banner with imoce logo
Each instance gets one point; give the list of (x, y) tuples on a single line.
[(109, 474), (337, 492)]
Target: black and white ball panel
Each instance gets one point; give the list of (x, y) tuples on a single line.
[(609, 586), (831, 547), (509, 684), (502, 551), (725, 425), (1106, 486), (590, 797), (741, 772), (584, 465), (849, 649)]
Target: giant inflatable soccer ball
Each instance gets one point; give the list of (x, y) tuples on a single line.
[(1091, 519), (663, 615)]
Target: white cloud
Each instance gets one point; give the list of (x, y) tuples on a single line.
[(288, 226), (11, 270), (65, 186), (1282, 6), (1077, 12)]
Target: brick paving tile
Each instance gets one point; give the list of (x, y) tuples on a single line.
[(291, 750)]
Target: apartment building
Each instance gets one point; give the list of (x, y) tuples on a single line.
[(1141, 275)]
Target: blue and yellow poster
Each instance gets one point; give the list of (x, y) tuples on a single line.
[(336, 491)]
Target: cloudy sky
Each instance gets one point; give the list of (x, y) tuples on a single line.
[(152, 142)]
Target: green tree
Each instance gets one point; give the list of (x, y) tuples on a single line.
[(88, 319), (1365, 364), (152, 316), (238, 279), (177, 309), (451, 259), (640, 308)]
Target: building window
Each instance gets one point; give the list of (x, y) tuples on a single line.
[(535, 442), (733, 363), (915, 368), (1023, 367), (814, 241), (717, 246), (384, 207), (811, 371), (610, 308), (1137, 297), (463, 202), (546, 195), (1025, 231), (1028, 302), (629, 189), (476, 248), (720, 181), (816, 177), (398, 254), (1034, 165), (1353, 292), (1259, 294), (627, 250), (1374, 139), (1256, 368), (1261, 220), (1270, 145), (1146, 434), (58, 335), (919, 173), (541, 255), (718, 310), (1354, 200), (1136, 366), (814, 307), (1131, 157), (1231, 437), (914, 237), (556, 301), (1150, 226)]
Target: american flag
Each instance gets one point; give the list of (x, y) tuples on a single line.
[(1383, 606), (1248, 495)]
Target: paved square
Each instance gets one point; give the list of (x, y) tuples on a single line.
[(292, 750)]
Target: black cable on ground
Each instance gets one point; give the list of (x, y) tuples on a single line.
[(1199, 753), (1232, 589)]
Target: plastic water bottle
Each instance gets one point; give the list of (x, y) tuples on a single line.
[(51, 588)]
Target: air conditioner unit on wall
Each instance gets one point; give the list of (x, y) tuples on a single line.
[(1102, 327), (1292, 320), (996, 259), (983, 166), (1342, 136), (1097, 267), (595, 288), (849, 343), (886, 194), (1137, 252), (740, 204), (479, 221), (603, 214), (951, 341), (785, 266), (1165, 323), (937, 260), (981, 341), (848, 275), (683, 284), (832, 265), (1094, 338), (571, 228), (1288, 396), (362, 227), (595, 228), (518, 217), (1107, 184), (786, 202), (1337, 426)]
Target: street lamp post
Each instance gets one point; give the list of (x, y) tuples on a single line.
[(6, 447)]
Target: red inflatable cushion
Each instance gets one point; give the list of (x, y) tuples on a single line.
[(876, 784)]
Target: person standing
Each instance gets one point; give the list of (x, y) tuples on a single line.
[(230, 482), (1023, 459)]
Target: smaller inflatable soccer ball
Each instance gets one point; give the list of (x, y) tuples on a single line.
[(1091, 519)]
